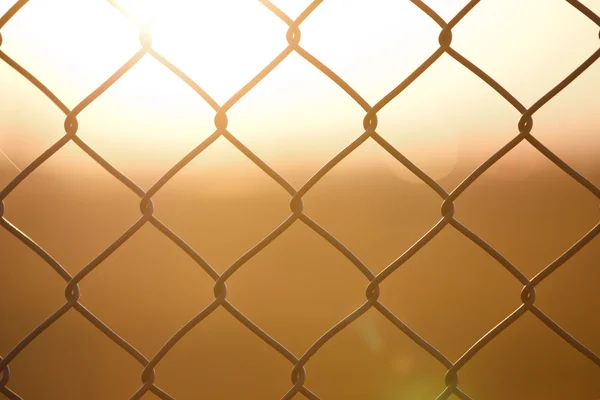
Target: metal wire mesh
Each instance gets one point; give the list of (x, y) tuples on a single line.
[(298, 373)]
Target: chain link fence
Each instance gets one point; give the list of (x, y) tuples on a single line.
[(297, 362)]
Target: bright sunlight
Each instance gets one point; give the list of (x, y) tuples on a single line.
[(296, 112)]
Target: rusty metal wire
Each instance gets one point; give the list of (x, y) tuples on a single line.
[(298, 372)]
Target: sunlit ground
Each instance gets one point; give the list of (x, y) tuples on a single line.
[(447, 122)]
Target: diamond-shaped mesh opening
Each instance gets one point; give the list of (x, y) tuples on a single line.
[(567, 295), (354, 54), (69, 55), (529, 361), (296, 119), (523, 206), (455, 300), (372, 359), (73, 360), (230, 48), (146, 122), (368, 204), (444, 112), (221, 359), (31, 287), (222, 204), (549, 42), (292, 288), (155, 288), (568, 125), (73, 213)]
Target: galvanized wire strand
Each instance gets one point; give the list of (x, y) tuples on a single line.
[(369, 131)]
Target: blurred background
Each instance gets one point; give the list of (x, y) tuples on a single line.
[(447, 122)]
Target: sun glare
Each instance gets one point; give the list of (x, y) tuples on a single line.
[(296, 111)]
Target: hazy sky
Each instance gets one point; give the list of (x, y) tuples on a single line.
[(296, 112)]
